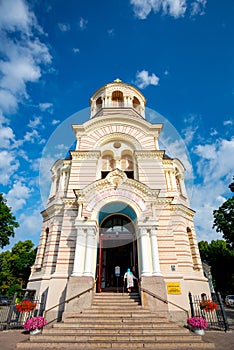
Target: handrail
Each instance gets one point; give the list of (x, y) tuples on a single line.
[(67, 301), (164, 300)]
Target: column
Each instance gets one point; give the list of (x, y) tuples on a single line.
[(182, 185), (91, 249), (78, 267), (53, 186), (168, 180), (145, 252), (154, 251)]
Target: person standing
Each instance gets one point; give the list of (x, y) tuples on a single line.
[(129, 278)]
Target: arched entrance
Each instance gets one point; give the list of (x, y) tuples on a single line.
[(117, 247)]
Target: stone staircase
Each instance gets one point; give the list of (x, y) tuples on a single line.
[(115, 321)]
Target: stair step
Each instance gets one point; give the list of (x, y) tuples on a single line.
[(120, 318), (115, 321), (116, 346), (128, 325), (112, 337), (113, 330)]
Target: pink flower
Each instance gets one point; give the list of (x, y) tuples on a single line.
[(197, 322), (36, 322)]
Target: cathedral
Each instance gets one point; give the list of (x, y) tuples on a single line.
[(118, 202)]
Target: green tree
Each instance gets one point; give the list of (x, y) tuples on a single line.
[(221, 259), (7, 223), (15, 266), (224, 219)]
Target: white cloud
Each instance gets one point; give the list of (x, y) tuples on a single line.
[(55, 122), (16, 197), (143, 79), (198, 7), (46, 106), (30, 226), (35, 122), (15, 14), (8, 165), (111, 32), (83, 23), (215, 168), (23, 56), (64, 27), (216, 160), (31, 136), (7, 136), (213, 132), (189, 133), (76, 50), (174, 8), (228, 122)]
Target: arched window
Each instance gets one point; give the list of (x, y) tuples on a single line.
[(108, 163), (127, 164), (99, 103), (136, 104), (117, 98)]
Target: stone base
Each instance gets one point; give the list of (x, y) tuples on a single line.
[(155, 285), (75, 286)]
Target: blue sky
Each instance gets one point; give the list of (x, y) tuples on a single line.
[(54, 54)]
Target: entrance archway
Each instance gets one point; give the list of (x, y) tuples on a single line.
[(117, 247)]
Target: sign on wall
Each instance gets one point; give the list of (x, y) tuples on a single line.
[(173, 288)]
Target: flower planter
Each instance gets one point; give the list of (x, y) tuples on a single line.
[(198, 331), (35, 331)]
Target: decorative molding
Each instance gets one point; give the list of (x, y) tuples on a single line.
[(164, 201), (168, 161), (121, 137), (117, 179), (149, 154), (85, 155), (71, 201), (53, 210), (183, 208)]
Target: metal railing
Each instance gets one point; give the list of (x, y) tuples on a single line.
[(11, 318), (217, 318)]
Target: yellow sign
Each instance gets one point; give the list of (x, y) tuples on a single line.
[(173, 288)]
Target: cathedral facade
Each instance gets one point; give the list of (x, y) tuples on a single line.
[(118, 202)]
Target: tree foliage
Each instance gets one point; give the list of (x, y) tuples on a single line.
[(15, 266), (221, 259), (224, 219), (7, 223)]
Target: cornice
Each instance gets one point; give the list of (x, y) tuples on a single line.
[(70, 201), (156, 154), (183, 208), (120, 119), (54, 209), (85, 155), (168, 161), (164, 201)]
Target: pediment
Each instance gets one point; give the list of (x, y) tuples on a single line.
[(118, 184)]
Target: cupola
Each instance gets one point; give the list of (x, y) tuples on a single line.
[(117, 95)]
